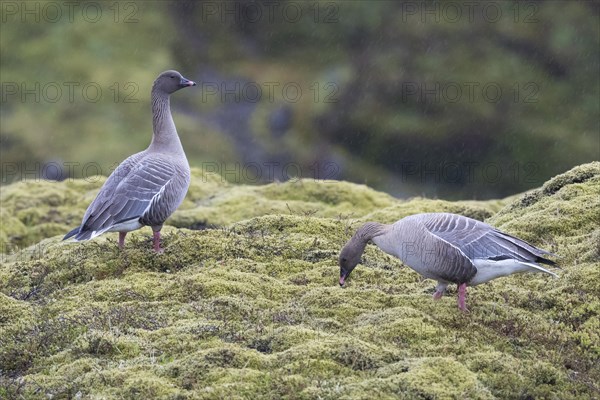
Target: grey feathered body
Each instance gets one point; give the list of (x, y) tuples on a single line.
[(144, 190), (453, 248)]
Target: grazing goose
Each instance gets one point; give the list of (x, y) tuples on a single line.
[(146, 188), (449, 248)]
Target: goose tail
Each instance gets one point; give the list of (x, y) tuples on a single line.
[(72, 233), (80, 235), (539, 268)]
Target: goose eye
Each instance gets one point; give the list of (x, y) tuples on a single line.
[(172, 76)]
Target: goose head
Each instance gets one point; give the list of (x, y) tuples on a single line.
[(171, 81)]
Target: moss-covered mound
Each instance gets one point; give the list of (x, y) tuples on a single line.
[(33, 210), (251, 308)]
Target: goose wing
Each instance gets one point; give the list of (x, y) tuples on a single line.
[(478, 240), (126, 195)]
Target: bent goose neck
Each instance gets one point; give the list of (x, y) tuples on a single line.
[(369, 231)]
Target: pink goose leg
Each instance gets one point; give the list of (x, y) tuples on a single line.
[(122, 240), (462, 297), (440, 289), (156, 241)]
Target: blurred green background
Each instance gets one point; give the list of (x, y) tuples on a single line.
[(443, 99)]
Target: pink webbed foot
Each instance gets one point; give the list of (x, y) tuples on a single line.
[(440, 289), (156, 242), (462, 297), (122, 240)]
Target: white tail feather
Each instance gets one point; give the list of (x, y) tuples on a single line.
[(490, 269)]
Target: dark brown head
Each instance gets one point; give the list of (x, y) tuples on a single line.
[(353, 250), (171, 81), (350, 258)]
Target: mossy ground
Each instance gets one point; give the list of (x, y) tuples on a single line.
[(250, 306)]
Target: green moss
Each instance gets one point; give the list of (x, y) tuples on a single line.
[(442, 377), (477, 210), (253, 309), (13, 310), (40, 209), (223, 204), (33, 210)]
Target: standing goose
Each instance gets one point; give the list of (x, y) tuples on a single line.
[(449, 248), (146, 188)]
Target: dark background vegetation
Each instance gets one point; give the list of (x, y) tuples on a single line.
[(415, 98)]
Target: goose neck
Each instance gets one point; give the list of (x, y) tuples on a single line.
[(165, 136)]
